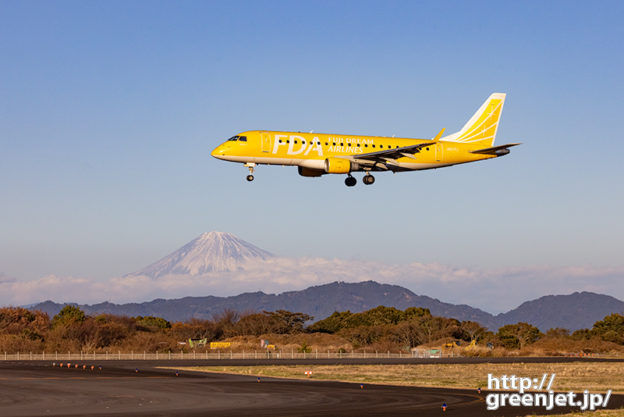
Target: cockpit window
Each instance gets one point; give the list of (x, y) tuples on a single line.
[(242, 138), (233, 139)]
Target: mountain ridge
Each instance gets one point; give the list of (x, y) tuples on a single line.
[(218, 254), (573, 311), (550, 311)]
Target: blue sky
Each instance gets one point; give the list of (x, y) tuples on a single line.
[(109, 111)]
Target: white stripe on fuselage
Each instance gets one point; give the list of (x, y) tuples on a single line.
[(317, 163)]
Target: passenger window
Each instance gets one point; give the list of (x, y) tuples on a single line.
[(427, 148), (280, 141), (366, 145), (342, 144), (295, 141), (325, 143), (287, 140), (349, 145), (303, 142), (373, 145)]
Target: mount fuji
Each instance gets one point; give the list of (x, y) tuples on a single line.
[(209, 252), (222, 265)]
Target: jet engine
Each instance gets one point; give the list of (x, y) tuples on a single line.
[(337, 166), (310, 172)]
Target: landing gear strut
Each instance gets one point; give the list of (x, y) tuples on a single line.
[(251, 166), (368, 179), (350, 181)]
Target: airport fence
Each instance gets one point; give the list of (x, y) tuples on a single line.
[(209, 355)]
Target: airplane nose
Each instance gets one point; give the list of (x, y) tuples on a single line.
[(217, 152)]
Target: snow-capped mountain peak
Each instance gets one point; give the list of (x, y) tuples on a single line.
[(209, 252)]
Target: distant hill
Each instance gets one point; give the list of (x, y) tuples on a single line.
[(318, 301), (574, 311)]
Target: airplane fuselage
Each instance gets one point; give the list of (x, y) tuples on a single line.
[(317, 154), (310, 150)]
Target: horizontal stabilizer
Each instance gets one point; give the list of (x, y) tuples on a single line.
[(496, 150)]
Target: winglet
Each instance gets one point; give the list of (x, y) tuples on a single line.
[(439, 135)]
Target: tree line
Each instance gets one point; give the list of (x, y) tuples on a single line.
[(382, 327)]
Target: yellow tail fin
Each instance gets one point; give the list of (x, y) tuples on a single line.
[(481, 128)]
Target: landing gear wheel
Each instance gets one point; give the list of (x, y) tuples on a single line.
[(250, 166), (350, 181), (368, 179)]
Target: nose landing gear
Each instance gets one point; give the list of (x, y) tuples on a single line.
[(251, 166)]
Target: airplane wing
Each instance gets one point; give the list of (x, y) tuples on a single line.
[(496, 150), (393, 153), (387, 158)]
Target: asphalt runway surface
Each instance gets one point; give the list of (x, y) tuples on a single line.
[(36, 388)]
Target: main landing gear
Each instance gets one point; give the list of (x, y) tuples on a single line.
[(368, 179), (251, 166)]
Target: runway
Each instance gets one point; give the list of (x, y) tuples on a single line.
[(37, 388)]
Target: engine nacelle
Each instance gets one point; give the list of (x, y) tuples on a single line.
[(310, 172), (337, 166)]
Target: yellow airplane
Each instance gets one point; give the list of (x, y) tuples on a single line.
[(319, 154)]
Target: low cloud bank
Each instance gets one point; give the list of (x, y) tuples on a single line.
[(491, 290)]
